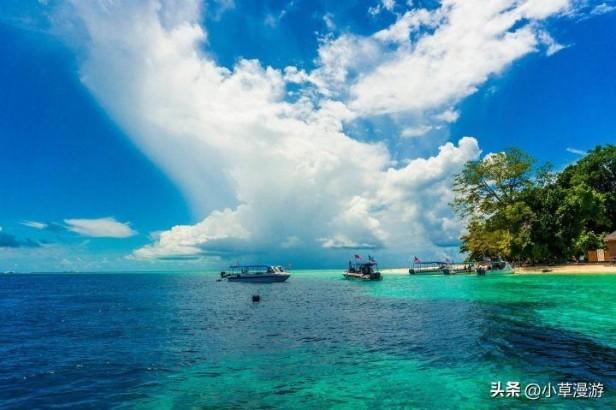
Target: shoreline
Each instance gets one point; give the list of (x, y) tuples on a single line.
[(564, 269), (568, 269)]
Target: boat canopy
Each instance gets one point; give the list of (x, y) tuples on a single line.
[(250, 266), (256, 269), (366, 267)]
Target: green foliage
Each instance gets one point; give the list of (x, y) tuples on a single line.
[(586, 241), (598, 171), (484, 186), (481, 241), (490, 193), (519, 213)]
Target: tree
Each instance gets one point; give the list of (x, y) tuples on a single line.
[(562, 216), (485, 186), (516, 213), (596, 170), (480, 241), (489, 193)]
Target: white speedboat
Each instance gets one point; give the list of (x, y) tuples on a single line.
[(493, 267), (255, 274)]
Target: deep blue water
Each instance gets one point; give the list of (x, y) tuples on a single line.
[(187, 341)]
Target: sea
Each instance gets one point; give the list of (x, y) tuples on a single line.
[(317, 341)]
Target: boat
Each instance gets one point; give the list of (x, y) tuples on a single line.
[(255, 274), (453, 268), (363, 271), (493, 267), (447, 267), (429, 267)]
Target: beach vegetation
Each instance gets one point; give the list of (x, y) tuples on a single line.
[(521, 212)]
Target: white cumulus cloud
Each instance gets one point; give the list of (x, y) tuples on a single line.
[(471, 40), (100, 227), (270, 173)]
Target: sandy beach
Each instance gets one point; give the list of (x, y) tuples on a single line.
[(566, 269), (577, 268)]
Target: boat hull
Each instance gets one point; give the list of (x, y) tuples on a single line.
[(426, 272), (506, 269), (359, 276), (259, 278)]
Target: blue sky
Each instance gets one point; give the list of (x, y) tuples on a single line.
[(276, 131)]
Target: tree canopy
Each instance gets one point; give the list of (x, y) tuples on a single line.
[(520, 212)]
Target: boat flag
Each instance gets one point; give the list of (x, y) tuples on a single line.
[(371, 259), (417, 260), (357, 256)]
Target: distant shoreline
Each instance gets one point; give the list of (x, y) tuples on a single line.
[(564, 269)]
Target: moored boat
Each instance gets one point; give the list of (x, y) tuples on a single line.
[(493, 267), (446, 267), (431, 267), (363, 270), (255, 274)]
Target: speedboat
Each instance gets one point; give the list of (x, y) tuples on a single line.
[(363, 271), (494, 267), (255, 274)]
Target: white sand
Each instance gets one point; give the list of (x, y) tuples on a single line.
[(573, 268)]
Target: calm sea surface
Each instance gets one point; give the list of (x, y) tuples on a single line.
[(186, 341)]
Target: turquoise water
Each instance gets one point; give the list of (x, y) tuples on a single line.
[(186, 341)]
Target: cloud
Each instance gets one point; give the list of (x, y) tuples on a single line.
[(217, 8), (189, 240), (35, 225), (328, 19), (602, 8), (100, 228), (384, 5), (45, 226), (272, 20), (291, 242), (552, 47), (388, 4), (408, 204), (576, 151), (271, 173), (343, 242), (10, 241), (468, 41), (416, 131), (449, 116), (429, 59)]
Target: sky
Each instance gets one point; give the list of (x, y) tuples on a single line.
[(187, 135)]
